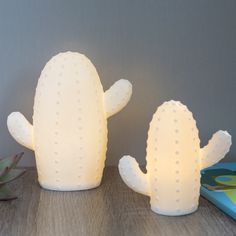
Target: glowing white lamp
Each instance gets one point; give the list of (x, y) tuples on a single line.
[(69, 131), (174, 161)]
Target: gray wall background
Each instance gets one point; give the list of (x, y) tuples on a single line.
[(172, 49)]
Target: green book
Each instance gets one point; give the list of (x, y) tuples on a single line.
[(218, 185)]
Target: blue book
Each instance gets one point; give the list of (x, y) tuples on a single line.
[(218, 185)]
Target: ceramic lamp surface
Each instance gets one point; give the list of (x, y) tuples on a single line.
[(69, 131), (174, 161)]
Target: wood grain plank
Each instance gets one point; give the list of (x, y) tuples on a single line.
[(112, 209)]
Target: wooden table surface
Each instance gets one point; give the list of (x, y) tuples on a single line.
[(112, 209)]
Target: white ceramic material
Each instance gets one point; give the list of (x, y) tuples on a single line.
[(174, 161), (69, 131)]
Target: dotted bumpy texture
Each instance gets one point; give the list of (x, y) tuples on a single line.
[(133, 176), (69, 134), (217, 147), (173, 144), (69, 122), (174, 160), (113, 101), (21, 129)]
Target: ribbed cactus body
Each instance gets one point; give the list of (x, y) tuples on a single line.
[(70, 124), (172, 159)]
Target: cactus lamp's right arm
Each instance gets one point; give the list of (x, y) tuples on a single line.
[(117, 96), (216, 149), (20, 129), (133, 176)]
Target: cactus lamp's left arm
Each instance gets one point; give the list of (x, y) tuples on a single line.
[(117, 96), (133, 176), (216, 149), (20, 129)]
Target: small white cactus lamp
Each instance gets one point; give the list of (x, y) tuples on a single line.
[(69, 131), (174, 161)]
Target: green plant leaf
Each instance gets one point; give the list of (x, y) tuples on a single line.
[(13, 174), (4, 171), (5, 194), (10, 162)]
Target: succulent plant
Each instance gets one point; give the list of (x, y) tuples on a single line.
[(174, 160), (8, 173), (69, 130)]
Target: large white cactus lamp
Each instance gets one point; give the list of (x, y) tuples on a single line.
[(174, 161), (69, 131)]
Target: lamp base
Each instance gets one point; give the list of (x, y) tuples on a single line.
[(174, 213), (69, 188)]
